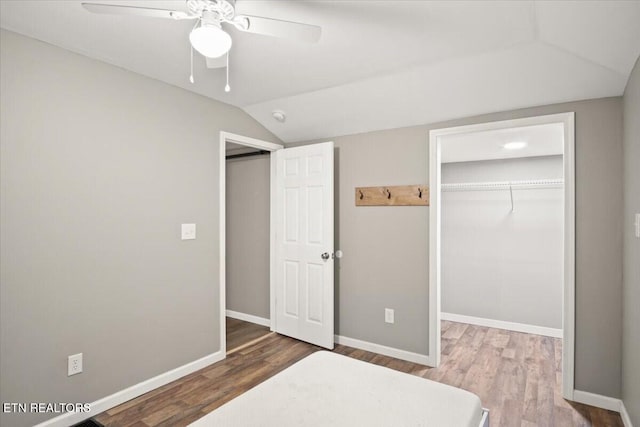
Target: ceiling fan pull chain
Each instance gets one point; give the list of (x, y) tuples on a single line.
[(191, 79), (227, 88), (191, 75)]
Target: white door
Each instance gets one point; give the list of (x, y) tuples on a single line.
[(304, 243)]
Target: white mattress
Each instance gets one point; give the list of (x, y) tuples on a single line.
[(327, 389)]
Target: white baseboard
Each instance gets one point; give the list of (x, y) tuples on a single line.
[(132, 392), (604, 402), (248, 318), (597, 400), (384, 350), (499, 324), (626, 419)]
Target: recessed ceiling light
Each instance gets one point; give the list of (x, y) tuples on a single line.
[(516, 145)]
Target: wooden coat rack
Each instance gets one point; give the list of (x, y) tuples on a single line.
[(402, 195)]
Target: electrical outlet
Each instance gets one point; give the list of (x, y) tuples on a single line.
[(637, 224), (388, 315), (74, 364)]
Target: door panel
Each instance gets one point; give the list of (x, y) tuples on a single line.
[(291, 286), (304, 231)]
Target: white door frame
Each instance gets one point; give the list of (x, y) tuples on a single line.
[(262, 145), (568, 326)]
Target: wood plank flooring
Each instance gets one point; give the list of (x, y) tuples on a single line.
[(516, 375), (240, 333)]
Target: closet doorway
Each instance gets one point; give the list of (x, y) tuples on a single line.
[(245, 244), (502, 230), (300, 240)]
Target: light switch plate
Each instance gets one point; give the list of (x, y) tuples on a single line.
[(188, 231), (637, 224), (389, 315)]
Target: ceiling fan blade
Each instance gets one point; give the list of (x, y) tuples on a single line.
[(278, 28), (217, 62), (114, 9)]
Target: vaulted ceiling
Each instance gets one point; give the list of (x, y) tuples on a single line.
[(378, 65)]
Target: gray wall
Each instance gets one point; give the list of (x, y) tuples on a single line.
[(386, 256), (248, 216), (505, 259), (99, 166), (631, 274)]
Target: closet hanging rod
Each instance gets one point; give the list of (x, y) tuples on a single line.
[(504, 185), (254, 153)]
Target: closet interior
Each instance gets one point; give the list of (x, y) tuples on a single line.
[(247, 225), (502, 230)]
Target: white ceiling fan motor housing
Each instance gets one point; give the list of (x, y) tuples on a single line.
[(223, 9)]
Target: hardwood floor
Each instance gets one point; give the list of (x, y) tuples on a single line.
[(516, 375), (240, 333)]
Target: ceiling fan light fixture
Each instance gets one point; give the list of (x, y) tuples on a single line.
[(210, 40)]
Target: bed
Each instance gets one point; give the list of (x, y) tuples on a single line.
[(328, 389)]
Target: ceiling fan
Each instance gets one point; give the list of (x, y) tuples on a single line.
[(208, 37)]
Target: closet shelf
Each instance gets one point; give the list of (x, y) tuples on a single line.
[(504, 185)]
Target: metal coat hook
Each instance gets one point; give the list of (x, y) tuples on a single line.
[(392, 195)]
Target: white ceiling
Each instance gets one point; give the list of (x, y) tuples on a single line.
[(542, 140), (379, 64)]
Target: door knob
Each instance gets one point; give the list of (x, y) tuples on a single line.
[(325, 256)]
